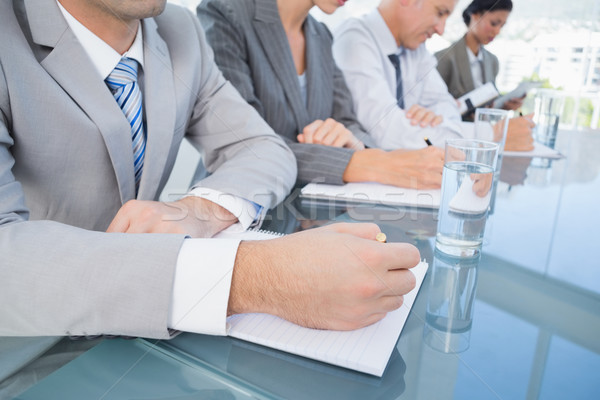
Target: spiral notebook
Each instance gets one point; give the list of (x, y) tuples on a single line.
[(366, 350), (250, 234)]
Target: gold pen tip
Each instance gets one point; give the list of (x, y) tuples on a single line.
[(381, 238)]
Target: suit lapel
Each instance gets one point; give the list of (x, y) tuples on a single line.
[(464, 67), (71, 68), (269, 29), (159, 106), (319, 74)]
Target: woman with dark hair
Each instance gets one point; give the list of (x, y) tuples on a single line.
[(466, 64)]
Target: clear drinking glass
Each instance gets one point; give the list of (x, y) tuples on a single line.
[(467, 183), (491, 124), (548, 107)]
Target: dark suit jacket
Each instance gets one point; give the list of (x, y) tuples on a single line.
[(252, 50), (453, 66)]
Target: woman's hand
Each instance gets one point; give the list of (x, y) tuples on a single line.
[(329, 133)]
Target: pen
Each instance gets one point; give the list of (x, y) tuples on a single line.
[(428, 141)]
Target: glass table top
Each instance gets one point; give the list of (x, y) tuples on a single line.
[(526, 327), (535, 326)]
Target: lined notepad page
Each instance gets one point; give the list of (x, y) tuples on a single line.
[(374, 193), (367, 350)]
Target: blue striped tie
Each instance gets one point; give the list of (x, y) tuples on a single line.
[(122, 81)]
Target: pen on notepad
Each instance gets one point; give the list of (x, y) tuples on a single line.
[(428, 141)]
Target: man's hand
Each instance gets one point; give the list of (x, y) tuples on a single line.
[(335, 277), (518, 137), (422, 116), (329, 133), (417, 169), (191, 215)]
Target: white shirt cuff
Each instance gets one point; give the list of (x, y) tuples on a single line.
[(247, 212), (201, 286)]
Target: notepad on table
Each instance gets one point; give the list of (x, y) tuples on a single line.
[(539, 150), (366, 350), (250, 234), (372, 193)]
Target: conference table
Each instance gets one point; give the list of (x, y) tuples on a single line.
[(534, 310)]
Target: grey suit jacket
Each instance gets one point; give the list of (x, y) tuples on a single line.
[(252, 50), (66, 168), (453, 66)]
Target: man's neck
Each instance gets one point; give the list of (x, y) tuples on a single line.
[(116, 32), (386, 13)]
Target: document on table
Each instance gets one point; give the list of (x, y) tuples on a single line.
[(366, 350), (518, 92), (372, 193), (539, 150)]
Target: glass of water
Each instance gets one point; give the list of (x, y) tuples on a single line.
[(547, 110), (491, 124), (467, 183)]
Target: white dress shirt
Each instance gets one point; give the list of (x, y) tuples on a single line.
[(361, 49), (476, 63), (303, 87), (200, 289)]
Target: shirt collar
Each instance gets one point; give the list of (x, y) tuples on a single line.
[(104, 57), (474, 58)]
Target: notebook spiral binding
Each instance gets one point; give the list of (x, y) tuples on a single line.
[(266, 232)]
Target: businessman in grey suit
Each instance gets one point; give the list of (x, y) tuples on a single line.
[(85, 247), (295, 85)]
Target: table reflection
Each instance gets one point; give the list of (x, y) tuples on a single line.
[(451, 294), (285, 375)]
